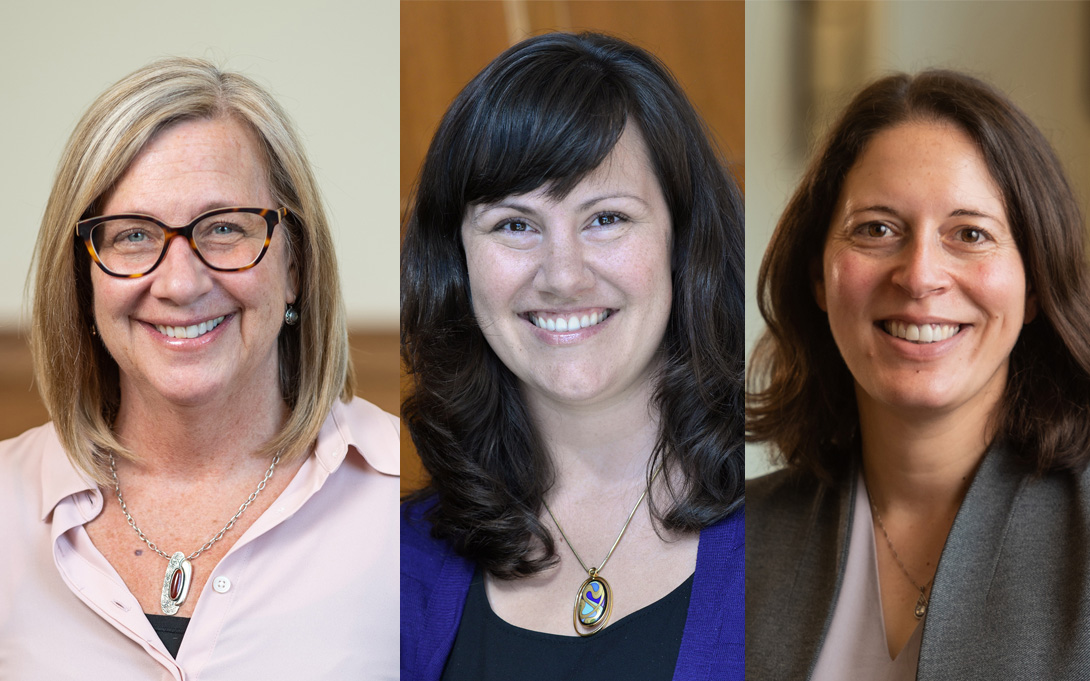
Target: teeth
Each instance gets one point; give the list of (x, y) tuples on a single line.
[(916, 333), (193, 331), (571, 323)]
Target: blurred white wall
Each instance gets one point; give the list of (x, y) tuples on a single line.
[(332, 64), (1036, 51)]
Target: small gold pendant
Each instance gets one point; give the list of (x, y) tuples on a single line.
[(593, 605), (175, 583), (921, 605)]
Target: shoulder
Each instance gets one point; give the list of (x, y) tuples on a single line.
[(422, 555), (790, 513), (35, 474), (434, 583), (727, 535), (372, 432), (786, 498), (28, 460)]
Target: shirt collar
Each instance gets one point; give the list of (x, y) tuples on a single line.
[(60, 477), (364, 428), (357, 425)]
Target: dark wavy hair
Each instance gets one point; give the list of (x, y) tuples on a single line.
[(801, 393), (547, 112)]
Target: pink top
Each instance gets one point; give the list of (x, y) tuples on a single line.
[(310, 590)]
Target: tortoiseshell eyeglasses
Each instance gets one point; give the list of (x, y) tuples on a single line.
[(225, 239)]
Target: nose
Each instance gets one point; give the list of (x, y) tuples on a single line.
[(181, 277), (564, 271), (922, 269)]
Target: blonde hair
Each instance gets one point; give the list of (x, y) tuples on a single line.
[(76, 376)]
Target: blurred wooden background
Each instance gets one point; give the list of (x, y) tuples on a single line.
[(375, 355), (444, 44)]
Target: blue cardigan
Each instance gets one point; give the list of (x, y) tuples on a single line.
[(435, 581)]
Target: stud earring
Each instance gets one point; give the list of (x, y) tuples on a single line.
[(291, 316)]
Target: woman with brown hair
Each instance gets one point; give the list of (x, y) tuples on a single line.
[(210, 499), (925, 378)]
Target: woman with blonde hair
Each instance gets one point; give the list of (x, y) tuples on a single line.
[(209, 499)]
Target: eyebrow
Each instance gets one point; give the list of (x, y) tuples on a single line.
[(526, 208), (956, 213), (201, 210)]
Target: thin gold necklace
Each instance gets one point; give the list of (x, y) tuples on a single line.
[(594, 600), (923, 601)]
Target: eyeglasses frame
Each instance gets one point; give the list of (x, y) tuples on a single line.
[(272, 219)]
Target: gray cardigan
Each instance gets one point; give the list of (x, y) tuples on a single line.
[(1011, 598)]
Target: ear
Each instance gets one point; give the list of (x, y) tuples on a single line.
[(1031, 307), (293, 284), (817, 280)]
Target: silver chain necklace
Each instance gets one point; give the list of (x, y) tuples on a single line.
[(923, 601), (179, 572)]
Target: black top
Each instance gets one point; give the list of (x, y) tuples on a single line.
[(170, 630), (644, 645)]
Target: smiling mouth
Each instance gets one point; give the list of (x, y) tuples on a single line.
[(191, 331), (567, 323), (920, 333)]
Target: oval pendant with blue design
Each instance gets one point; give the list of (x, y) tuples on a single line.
[(593, 605)]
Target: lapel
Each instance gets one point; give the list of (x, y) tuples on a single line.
[(957, 617), (801, 556)]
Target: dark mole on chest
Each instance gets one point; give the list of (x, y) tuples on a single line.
[(139, 552)]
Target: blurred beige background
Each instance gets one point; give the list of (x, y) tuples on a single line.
[(331, 64), (804, 61), (445, 44)]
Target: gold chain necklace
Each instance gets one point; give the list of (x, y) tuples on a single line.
[(594, 600), (923, 601)]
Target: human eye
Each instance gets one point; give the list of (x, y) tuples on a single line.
[(125, 235), (224, 228), (607, 219), (133, 236), (874, 230), (513, 225), (971, 235)]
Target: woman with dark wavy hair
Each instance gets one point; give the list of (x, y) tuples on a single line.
[(925, 378), (572, 325)]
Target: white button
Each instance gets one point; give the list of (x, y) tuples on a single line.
[(222, 585)]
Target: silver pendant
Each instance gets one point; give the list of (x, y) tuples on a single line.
[(176, 583), (593, 605), (921, 605)]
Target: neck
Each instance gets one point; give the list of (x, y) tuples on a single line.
[(195, 442), (922, 461), (608, 443)]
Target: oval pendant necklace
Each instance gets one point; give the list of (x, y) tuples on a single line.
[(594, 600), (179, 572)]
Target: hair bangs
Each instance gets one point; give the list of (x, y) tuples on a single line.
[(542, 127)]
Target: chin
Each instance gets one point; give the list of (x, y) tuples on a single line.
[(928, 397)]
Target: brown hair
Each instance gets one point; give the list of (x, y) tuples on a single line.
[(800, 393), (77, 377)]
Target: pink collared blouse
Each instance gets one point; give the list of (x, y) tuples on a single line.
[(309, 591)]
